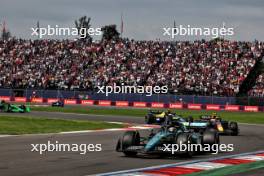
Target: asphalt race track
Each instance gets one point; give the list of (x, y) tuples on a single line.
[(16, 157)]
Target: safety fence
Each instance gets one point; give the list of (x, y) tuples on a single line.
[(137, 104), (164, 98)]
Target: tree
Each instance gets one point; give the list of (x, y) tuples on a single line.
[(5, 33), (83, 25), (110, 32)]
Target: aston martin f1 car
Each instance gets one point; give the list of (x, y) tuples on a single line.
[(171, 133), (7, 107)]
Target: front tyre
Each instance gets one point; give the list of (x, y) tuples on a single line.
[(149, 119), (233, 126), (130, 138), (211, 137), (184, 139)]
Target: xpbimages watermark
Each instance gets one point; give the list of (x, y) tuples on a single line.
[(148, 90), (214, 149), (64, 31), (189, 30), (60, 147)]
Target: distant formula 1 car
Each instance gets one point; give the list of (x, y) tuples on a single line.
[(155, 117), (210, 122), (223, 126), (158, 117), (7, 107), (204, 123), (172, 132), (58, 104)]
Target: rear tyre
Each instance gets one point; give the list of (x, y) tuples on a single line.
[(211, 137), (233, 126), (149, 119), (9, 108), (130, 138), (184, 138)]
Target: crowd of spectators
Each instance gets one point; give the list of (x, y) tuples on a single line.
[(258, 89), (197, 67), (208, 68)]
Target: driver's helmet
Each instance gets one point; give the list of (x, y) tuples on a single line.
[(214, 115), (177, 125), (169, 117), (172, 129), (168, 112)]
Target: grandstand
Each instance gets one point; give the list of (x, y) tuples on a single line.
[(216, 67), (258, 89)]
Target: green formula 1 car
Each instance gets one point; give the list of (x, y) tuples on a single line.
[(7, 107), (171, 133)]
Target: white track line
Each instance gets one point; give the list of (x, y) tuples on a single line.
[(205, 165), (1, 136), (138, 127), (181, 164)]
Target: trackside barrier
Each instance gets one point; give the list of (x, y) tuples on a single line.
[(176, 105), (70, 101), (20, 99), (251, 108), (122, 103), (104, 103), (215, 107), (37, 100), (140, 104), (232, 108), (87, 102), (157, 105), (194, 106), (52, 100), (5, 98)]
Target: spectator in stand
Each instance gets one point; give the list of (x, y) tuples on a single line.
[(258, 89), (199, 67)]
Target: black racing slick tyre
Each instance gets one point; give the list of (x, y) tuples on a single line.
[(184, 138), (211, 137), (149, 119), (130, 138), (233, 126), (9, 108)]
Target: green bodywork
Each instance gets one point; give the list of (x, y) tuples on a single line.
[(6, 107)]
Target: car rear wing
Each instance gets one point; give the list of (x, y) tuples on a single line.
[(195, 124)]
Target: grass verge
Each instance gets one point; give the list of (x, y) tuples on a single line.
[(27, 125), (242, 117)]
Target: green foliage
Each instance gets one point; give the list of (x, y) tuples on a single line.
[(83, 23), (5, 35), (110, 32)]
